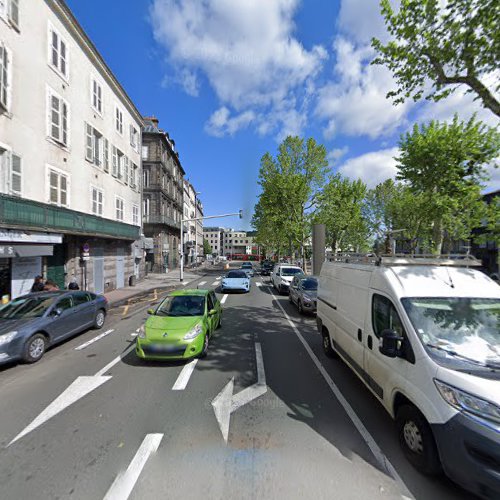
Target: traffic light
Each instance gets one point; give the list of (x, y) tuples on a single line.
[(241, 214)]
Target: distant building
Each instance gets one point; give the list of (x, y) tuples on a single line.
[(69, 155), (193, 230), (214, 237), (236, 243), (163, 186)]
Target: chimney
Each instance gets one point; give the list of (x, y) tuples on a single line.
[(152, 119)]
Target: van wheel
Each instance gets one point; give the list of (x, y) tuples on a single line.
[(327, 345), (417, 441)]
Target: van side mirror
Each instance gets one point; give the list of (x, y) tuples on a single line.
[(390, 343)]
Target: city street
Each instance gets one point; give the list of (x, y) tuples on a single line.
[(297, 424)]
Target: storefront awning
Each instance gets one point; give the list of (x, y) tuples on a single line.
[(32, 250)]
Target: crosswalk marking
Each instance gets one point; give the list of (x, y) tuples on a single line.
[(215, 283), (202, 283)]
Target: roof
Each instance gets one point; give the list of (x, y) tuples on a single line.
[(188, 292)]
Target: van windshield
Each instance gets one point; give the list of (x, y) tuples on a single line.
[(464, 327)]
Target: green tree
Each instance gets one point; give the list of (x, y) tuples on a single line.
[(340, 207), (444, 164), (290, 185), (207, 249), (450, 46)]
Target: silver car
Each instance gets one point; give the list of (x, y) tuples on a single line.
[(304, 293)]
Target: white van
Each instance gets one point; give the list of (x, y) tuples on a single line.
[(424, 336)]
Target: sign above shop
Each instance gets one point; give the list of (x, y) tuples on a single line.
[(29, 237)]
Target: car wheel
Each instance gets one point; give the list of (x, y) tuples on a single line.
[(299, 307), (204, 351), (327, 345), (34, 348), (417, 441), (290, 298), (100, 317)]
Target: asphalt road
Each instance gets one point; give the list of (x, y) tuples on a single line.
[(97, 422)]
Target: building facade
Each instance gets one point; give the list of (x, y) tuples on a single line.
[(163, 206), (193, 209), (200, 252), (214, 237), (69, 156)]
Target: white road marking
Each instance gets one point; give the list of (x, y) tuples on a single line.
[(77, 390), (125, 482), (134, 334), (184, 376), (258, 283), (218, 277), (226, 403), (365, 434), (215, 283), (91, 341), (223, 300), (202, 283)]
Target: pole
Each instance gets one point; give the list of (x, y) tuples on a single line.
[(181, 252), (318, 244)]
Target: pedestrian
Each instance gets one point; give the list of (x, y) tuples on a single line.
[(38, 285), (73, 285), (50, 286)]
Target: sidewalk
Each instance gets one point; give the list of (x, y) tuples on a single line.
[(158, 281)]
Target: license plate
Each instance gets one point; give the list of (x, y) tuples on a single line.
[(163, 348)]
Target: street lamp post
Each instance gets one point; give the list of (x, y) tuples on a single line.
[(240, 214)]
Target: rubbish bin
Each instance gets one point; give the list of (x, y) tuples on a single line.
[(132, 280)]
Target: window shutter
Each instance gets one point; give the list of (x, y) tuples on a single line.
[(65, 113), (15, 174), (106, 155), (115, 161), (89, 142), (14, 13), (4, 61), (125, 169)]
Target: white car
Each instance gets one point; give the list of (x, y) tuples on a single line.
[(282, 276), (235, 280)]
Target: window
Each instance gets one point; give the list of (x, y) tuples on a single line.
[(146, 178), (106, 155), (146, 206), (135, 215), (10, 173), (145, 152), (14, 13), (134, 138), (133, 175), (58, 187), (58, 53), (119, 208), (94, 145), (96, 95), (125, 169), (96, 201), (119, 120), (58, 118), (385, 316), (80, 298), (5, 77), (65, 303), (15, 175), (118, 162)]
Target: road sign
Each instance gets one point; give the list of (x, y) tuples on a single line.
[(86, 248)]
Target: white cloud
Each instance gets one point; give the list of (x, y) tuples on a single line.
[(245, 49), (372, 168), (334, 155), (221, 123), (355, 104), (494, 183)]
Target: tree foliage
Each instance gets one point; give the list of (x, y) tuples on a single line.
[(451, 46), (207, 249)]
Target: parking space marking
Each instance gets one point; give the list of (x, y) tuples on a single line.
[(184, 376), (125, 482), (95, 339), (363, 431), (223, 300)]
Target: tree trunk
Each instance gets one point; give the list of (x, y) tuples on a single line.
[(437, 237)]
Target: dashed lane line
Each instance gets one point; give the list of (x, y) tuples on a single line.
[(183, 378), (95, 339), (223, 300)]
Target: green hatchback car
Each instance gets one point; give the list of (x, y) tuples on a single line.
[(181, 326)]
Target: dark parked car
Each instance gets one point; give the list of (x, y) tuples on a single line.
[(266, 267), (304, 293), (32, 323)]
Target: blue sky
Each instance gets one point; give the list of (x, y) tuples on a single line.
[(228, 79)]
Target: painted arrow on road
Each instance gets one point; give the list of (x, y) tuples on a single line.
[(226, 403)]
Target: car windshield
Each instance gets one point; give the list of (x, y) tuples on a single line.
[(182, 305), (467, 327), (290, 271), (26, 307), (309, 284), (236, 274)]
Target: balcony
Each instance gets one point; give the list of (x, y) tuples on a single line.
[(161, 220), (29, 214)]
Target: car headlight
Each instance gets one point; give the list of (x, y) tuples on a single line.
[(194, 332), (142, 332), (7, 337), (467, 402)]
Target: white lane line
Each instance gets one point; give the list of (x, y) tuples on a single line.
[(108, 367), (133, 334), (365, 434), (258, 283), (202, 283), (91, 341), (184, 376), (215, 283), (125, 482), (223, 299)]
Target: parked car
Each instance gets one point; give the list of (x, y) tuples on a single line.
[(248, 268), (303, 293), (425, 340), (181, 326), (266, 268), (282, 276), (235, 280), (32, 323)]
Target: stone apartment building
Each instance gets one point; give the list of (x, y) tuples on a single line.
[(193, 230), (163, 205), (214, 237), (70, 164)]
